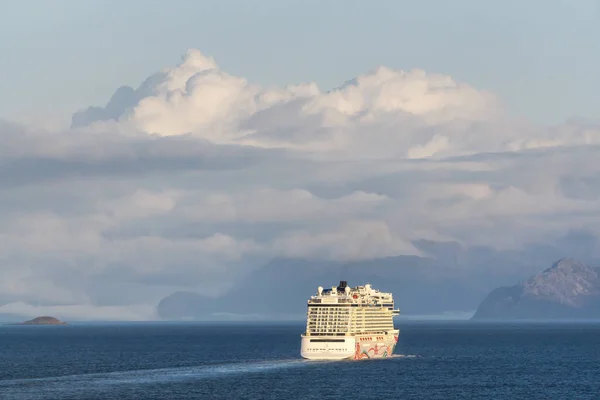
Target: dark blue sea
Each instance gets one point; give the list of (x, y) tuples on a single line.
[(434, 360)]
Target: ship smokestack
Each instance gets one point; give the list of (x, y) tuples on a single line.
[(342, 286)]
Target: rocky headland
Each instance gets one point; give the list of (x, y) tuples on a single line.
[(43, 321), (568, 290)]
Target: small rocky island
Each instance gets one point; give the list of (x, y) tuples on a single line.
[(43, 321), (569, 290)]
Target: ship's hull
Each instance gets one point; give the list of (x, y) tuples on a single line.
[(361, 346), (375, 346)]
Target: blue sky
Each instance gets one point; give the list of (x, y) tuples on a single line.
[(540, 57)]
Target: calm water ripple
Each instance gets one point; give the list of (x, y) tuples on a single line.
[(183, 361)]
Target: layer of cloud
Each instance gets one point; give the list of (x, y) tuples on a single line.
[(197, 177)]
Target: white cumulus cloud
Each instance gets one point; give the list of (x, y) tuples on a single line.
[(376, 112)]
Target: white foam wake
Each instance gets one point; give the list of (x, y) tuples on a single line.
[(403, 356), (160, 375)]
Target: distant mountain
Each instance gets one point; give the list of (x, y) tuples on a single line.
[(280, 289), (570, 289), (448, 278), (186, 306)]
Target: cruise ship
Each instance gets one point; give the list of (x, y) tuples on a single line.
[(346, 322)]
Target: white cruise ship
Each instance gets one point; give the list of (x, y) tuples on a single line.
[(349, 323)]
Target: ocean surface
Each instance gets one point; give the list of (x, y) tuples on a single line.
[(433, 360)]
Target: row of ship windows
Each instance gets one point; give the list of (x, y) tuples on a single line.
[(369, 329), (348, 319), (355, 307), (329, 319), (338, 328), (330, 316), (350, 325), (352, 309), (340, 322), (349, 322), (370, 339), (332, 323), (348, 309), (354, 322), (317, 349), (328, 313), (350, 315), (328, 325), (369, 332), (386, 315), (345, 328), (313, 316), (330, 304), (373, 329)]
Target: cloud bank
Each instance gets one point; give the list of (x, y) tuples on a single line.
[(197, 177)]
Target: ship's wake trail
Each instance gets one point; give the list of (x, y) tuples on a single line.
[(100, 381), (404, 356)]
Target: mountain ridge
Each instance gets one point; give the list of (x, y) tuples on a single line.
[(421, 286), (569, 289)]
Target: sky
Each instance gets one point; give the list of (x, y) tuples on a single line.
[(538, 56), (209, 138)]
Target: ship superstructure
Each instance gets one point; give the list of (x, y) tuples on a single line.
[(349, 322)]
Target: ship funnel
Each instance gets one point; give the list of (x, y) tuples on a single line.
[(342, 286)]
